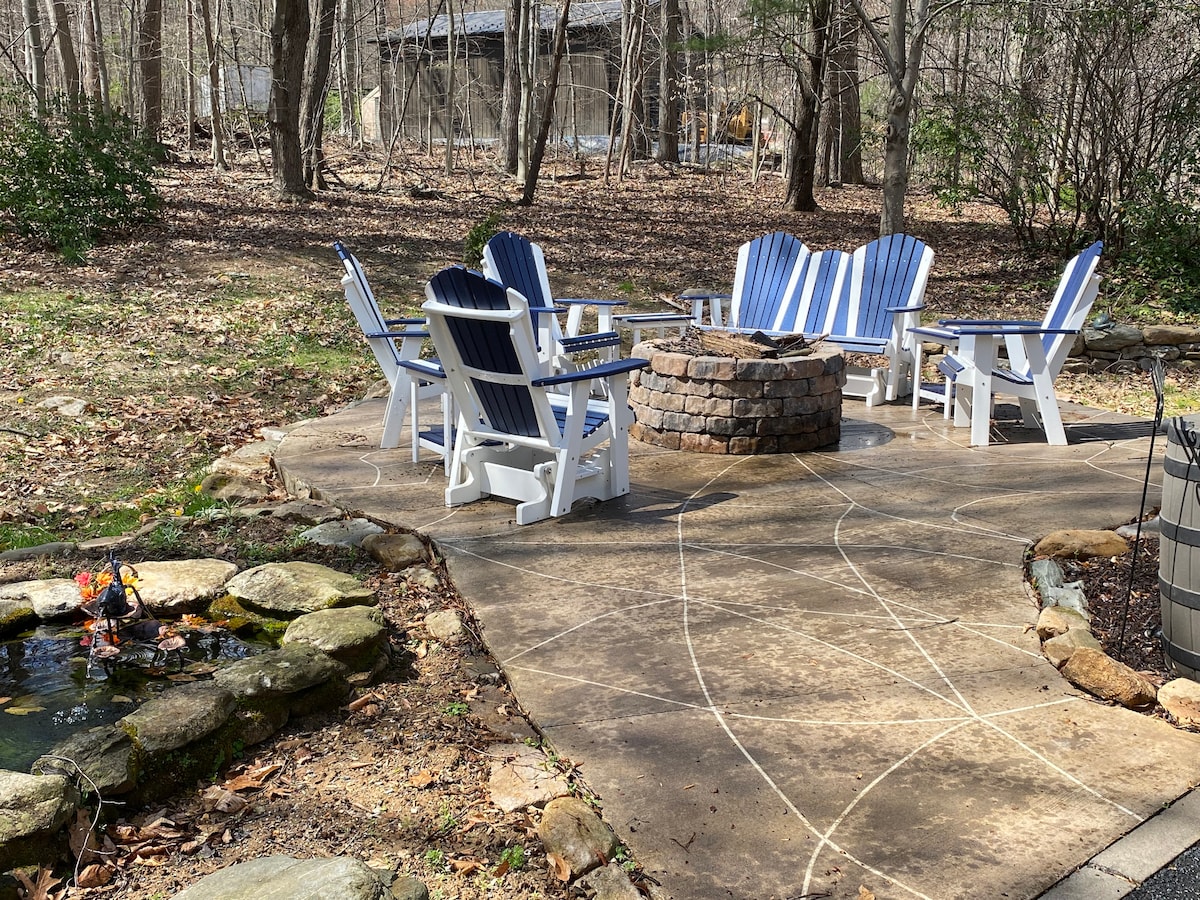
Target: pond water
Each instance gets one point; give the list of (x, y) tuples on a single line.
[(48, 691)]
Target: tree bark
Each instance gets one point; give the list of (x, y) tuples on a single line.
[(527, 54), (510, 97), (35, 56), (66, 49), (316, 83), (289, 38), (668, 83), (810, 76), (539, 146), (842, 148), (901, 52), (98, 60), (214, 91), (149, 54)]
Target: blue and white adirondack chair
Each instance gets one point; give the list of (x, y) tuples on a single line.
[(395, 342), (518, 436), (766, 287), (1036, 354), (518, 263), (883, 299)]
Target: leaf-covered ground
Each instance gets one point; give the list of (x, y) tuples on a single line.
[(187, 338)]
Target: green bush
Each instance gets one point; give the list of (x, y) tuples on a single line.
[(479, 235), (74, 175)]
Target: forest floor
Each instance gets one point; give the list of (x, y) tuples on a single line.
[(187, 338)]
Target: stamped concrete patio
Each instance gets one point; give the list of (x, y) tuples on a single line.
[(791, 676)]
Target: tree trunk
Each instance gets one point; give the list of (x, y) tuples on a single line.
[(214, 91), (802, 155), (66, 49), (842, 149), (895, 164), (668, 83), (451, 52), (97, 54), (901, 52), (35, 56), (190, 75), (527, 54), (539, 147), (149, 54), (289, 38), (316, 82), (349, 72), (510, 97)]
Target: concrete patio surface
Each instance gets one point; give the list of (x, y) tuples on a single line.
[(797, 675)]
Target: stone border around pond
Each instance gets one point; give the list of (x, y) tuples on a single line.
[(1064, 629)]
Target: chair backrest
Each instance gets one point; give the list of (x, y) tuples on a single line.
[(485, 342), (361, 301), (888, 272), (823, 292), (1077, 291), (519, 263), (770, 271)]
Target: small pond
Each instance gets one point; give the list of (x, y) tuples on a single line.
[(48, 690)]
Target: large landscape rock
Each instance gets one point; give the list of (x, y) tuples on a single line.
[(354, 636), (571, 831), (287, 878), (182, 586), (51, 598), (16, 616), (1056, 620), (278, 673), (105, 754), (395, 552), (1075, 543), (180, 716), (343, 533), (32, 810), (1099, 674), (521, 777), (1181, 698), (295, 588)]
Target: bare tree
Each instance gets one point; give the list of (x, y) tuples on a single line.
[(539, 147), (900, 49), (510, 97), (66, 48), (316, 82), (149, 56), (216, 100), (668, 82), (35, 55), (289, 39)]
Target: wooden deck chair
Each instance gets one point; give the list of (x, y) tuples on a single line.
[(1036, 353), (884, 298), (518, 263), (393, 343), (518, 437), (766, 284)]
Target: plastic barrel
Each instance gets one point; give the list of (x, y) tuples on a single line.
[(1179, 549)]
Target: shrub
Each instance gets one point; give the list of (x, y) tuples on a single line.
[(478, 237), (74, 175)]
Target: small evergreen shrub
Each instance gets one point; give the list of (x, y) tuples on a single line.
[(478, 237), (73, 175)]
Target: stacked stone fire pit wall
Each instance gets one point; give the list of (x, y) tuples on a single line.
[(714, 404)]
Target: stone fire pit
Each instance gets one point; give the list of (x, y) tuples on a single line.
[(722, 404)]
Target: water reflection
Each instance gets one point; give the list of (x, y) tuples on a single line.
[(48, 691)]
